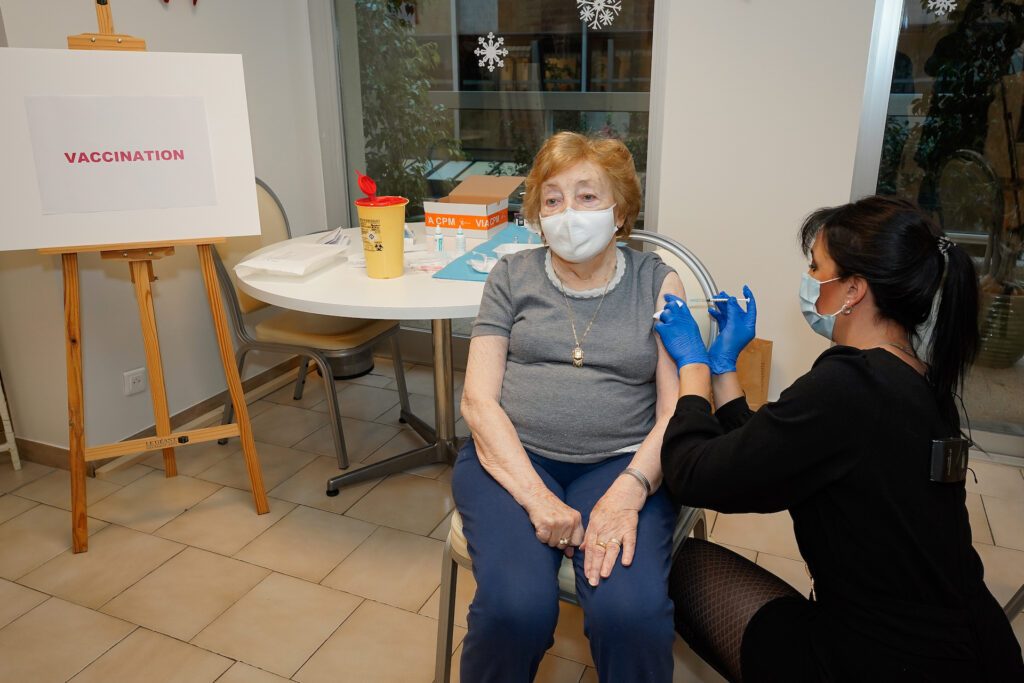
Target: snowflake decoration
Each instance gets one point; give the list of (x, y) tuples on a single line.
[(491, 52), (941, 7), (598, 13)]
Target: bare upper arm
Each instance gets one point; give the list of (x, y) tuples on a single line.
[(667, 374), (485, 368)]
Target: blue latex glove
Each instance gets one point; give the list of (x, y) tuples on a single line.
[(679, 333), (735, 330)]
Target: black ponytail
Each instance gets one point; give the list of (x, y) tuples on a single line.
[(906, 259)]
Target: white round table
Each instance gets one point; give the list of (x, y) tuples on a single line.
[(345, 290)]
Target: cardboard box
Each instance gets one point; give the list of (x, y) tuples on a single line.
[(479, 205)]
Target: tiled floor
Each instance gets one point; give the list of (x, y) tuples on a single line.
[(183, 581)]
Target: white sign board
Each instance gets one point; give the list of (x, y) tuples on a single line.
[(104, 147)]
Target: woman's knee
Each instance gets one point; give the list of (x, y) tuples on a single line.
[(639, 611), (514, 613)]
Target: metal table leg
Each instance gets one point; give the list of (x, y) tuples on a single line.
[(441, 442)]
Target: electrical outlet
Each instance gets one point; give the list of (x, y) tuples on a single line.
[(135, 381)]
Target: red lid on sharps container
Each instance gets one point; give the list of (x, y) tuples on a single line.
[(381, 201), (369, 188)]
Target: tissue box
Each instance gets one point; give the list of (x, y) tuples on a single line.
[(479, 205)]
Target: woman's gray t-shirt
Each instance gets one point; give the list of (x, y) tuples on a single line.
[(563, 412)]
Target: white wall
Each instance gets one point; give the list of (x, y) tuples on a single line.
[(758, 106), (273, 39)]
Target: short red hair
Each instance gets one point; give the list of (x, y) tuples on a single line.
[(566, 149)]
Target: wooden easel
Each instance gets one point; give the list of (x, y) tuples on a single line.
[(140, 257)]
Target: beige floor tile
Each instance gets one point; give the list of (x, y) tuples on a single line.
[(35, 536), (373, 379), (224, 522), (308, 543), (1004, 570), (765, 533), (312, 393), (149, 656), (277, 463), (15, 600), (243, 673), (711, 516), (278, 624), (129, 474), (28, 643), (308, 486), (12, 506), (419, 379), (11, 479), (150, 502), (1006, 518), (570, 643), (406, 440), (424, 503), (377, 643), (790, 571), (197, 457), (465, 589), (55, 489), (286, 425), (361, 439), (392, 567), (440, 532), (362, 402), (689, 668), (182, 596), (117, 558), (999, 481), (980, 530), (423, 407), (554, 669)]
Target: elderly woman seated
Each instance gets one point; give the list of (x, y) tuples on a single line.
[(568, 391)]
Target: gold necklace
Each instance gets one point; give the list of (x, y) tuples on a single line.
[(577, 352)]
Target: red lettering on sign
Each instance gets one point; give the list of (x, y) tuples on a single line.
[(82, 158), (138, 157), (70, 157), (179, 154)]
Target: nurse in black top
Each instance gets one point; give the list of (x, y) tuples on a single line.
[(863, 452)]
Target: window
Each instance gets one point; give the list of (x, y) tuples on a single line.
[(953, 139), (436, 90)]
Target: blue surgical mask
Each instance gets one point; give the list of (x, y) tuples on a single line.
[(810, 289)]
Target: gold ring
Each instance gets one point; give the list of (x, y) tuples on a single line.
[(563, 541), (615, 541), (600, 544)]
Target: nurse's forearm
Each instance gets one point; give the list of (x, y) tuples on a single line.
[(695, 380)]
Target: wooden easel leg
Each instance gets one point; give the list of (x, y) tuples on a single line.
[(227, 356), (76, 404), (141, 273)]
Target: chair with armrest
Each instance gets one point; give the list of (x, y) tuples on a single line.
[(696, 278), (320, 338)]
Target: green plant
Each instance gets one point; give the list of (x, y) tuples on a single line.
[(403, 130)]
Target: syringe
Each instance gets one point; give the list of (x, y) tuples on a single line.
[(713, 300)]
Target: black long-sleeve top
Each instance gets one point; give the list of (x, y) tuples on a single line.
[(846, 449)]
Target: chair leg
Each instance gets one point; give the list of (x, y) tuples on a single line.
[(229, 407), (333, 411), (446, 617), (300, 383), (396, 358)]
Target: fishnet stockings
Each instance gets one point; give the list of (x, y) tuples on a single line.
[(716, 593)]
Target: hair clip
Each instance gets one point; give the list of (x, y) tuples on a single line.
[(944, 244)]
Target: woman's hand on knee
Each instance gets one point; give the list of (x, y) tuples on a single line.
[(611, 534), (555, 523)]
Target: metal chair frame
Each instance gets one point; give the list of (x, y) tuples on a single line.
[(246, 342)]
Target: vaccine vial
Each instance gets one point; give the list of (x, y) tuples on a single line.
[(460, 242), (438, 240)]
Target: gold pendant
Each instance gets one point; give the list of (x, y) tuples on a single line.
[(577, 357)]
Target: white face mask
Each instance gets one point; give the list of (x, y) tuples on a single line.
[(578, 236), (810, 290)]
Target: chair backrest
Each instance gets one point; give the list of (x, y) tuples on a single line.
[(697, 280), (273, 228)]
